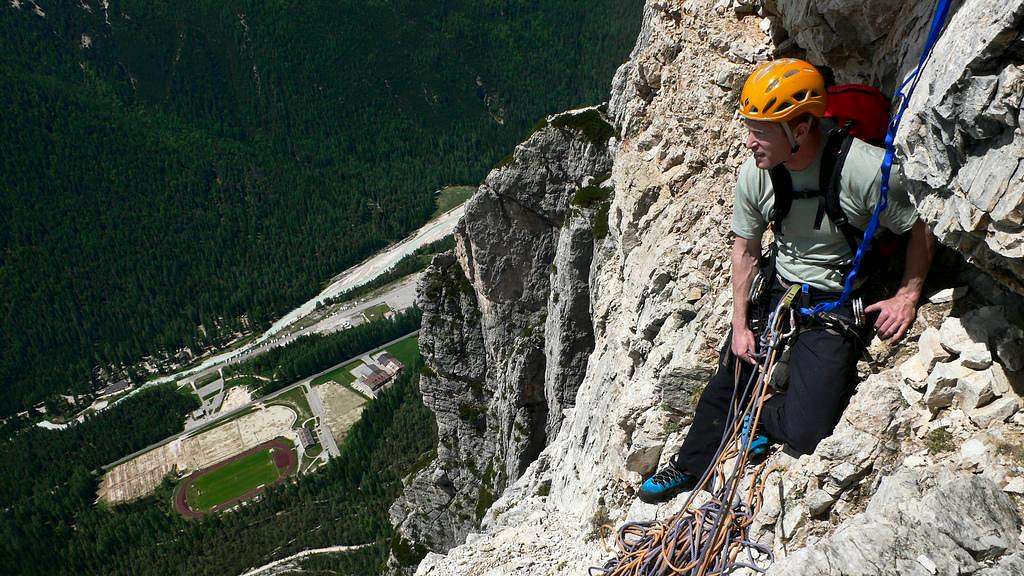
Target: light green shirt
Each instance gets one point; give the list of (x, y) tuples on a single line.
[(818, 257)]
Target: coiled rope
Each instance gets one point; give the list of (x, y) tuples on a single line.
[(712, 538)]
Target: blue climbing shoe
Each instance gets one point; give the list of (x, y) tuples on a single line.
[(759, 446), (665, 484)]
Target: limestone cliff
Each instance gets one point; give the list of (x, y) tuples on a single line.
[(506, 326), (568, 336)]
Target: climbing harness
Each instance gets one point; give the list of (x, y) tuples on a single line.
[(713, 538), (938, 21)]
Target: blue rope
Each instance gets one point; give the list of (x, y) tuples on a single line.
[(938, 22)]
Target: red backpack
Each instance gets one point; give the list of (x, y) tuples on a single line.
[(864, 107)]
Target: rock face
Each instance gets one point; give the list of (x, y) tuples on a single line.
[(964, 139), (940, 523), (961, 139), (452, 382), (923, 474), (506, 326)]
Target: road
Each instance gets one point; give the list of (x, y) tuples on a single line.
[(278, 566), (351, 278), (263, 400), (375, 266), (399, 296)]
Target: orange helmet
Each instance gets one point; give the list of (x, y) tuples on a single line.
[(782, 89)]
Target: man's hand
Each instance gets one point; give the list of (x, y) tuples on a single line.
[(743, 345), (895, 316)]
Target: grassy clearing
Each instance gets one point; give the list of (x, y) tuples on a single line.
[(407, 350), (252, 382), (451, 197), (313, 452), (296, 400), (232, 480), (341, 375), (376, 312)]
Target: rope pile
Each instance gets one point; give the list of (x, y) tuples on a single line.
[(712, 538)]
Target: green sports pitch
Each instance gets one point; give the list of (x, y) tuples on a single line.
[(233, 480)]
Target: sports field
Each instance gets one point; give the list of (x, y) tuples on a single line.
[(296, 400), (451, 197), (200, 449), (232, 480), (235, 479)]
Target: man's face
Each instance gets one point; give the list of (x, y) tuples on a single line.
[(767, 142)]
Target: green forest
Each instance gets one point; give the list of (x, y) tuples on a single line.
[(171, 165), (49, 524)]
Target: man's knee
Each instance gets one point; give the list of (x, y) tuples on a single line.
[(805, 438)]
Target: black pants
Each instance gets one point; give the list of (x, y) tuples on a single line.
[(822, 377)]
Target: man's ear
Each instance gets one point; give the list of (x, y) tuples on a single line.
[(801, 129)]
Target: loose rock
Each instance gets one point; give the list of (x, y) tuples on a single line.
[(932, 348), (948, 295), (998, 411)]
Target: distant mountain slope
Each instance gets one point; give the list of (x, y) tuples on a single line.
[(168, 165)]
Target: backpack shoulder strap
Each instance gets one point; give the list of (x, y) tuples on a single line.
[(782, 188), (837, 146)]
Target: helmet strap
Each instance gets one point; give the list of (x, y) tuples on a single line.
[(793, 144)]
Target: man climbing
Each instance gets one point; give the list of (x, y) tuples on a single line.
[(817, 191)]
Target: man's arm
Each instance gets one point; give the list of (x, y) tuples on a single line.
[(897, 313), (745, 254)]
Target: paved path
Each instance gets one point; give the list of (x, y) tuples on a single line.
[(323, 431)]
